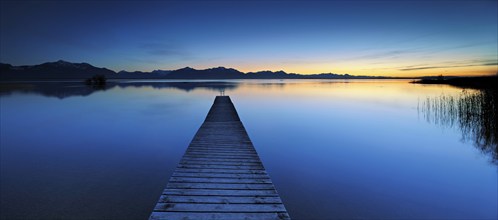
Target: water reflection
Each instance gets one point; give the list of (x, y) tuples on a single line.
[(474, 114), (63, 90), (353, 147)]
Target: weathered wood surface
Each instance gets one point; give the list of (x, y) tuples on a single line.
[(220, 175)]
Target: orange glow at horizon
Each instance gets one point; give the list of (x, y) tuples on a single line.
[(375, 71)]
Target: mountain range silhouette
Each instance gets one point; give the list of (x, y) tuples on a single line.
[(63, 70)]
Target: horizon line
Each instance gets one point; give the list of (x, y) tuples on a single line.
[(264, 70)]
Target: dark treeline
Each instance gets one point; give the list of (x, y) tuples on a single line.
[(482, 82)]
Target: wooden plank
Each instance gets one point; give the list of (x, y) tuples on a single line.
[(229, 147), (219, 192), (222, 154), (220, 199), (222, 167), (220, 176), (203, 149), (219, 162), (219, 186), (220, 159), (219, 216), (224, 146), (194, 207), (221, 142), (226, 150), (186, 162), (217, 180), (230, 171), (223, 157), (206, 159)]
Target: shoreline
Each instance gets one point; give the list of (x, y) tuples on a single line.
[(482, 82)]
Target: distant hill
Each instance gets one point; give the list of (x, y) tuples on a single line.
[(156, 74), (63, 70), (52, 70), (212, 73)]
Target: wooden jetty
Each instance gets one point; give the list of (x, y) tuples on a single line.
[(220, 175)]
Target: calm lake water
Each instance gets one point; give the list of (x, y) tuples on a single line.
[(359, 149)]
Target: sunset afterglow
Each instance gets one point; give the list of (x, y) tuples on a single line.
[(406, 38)]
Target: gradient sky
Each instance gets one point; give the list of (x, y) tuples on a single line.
[(391, 38)]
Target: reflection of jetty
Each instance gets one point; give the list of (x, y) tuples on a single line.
[(220, 176)]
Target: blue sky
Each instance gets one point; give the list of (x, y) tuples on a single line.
[(401, 38)]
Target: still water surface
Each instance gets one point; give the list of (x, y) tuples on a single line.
[(334, 149)]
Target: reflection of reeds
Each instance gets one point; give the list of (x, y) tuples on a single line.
[(473, 112)]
